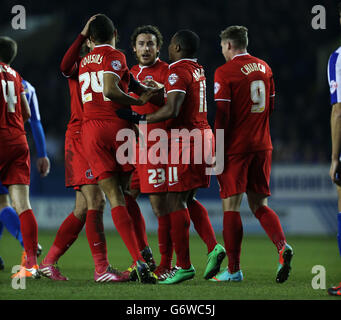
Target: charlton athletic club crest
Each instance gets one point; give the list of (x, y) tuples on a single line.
[(173, 78), (89, 174)]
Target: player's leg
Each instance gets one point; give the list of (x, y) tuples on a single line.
[(113, 188), (158, 203), (95, 200), (233, 236), (271, 224), (233, 183), (339, 218), (66, 235), (202, 224), (8, 216), (258, 191), (19, 195), (180, 223)]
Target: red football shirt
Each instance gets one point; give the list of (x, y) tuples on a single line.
[(187, 76), (69, 67), (11, 120), (247, 83), (158, 72), (103, 59)]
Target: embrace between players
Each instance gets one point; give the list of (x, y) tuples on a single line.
[(107, 97)]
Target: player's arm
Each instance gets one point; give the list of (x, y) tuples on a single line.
[(137, 87), (272, 96), (170, 110), (222, 116), (112, 91), (25, 108), (335, 124), (69, 62), (43, 162)]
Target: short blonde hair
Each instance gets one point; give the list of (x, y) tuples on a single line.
[(238, 36)]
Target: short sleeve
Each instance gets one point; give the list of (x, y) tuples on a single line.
[(334, 77), (115, 63), (177, 80), (222, 88)]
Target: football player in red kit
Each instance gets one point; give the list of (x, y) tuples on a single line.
[(152, 178), (244, 94), (90, 200), (15, 155), (186, 105), (104, 79)]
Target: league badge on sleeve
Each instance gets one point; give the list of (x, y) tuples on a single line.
[(216, 87), (116, 65), (173, 78), (333, 86)]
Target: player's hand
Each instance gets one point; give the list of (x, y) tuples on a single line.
[(130, 115), (43, 166), (334, 172), (153, 84), (85, 31), (146, 96)]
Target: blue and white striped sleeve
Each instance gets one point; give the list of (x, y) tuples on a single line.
[(334, 76), (36, 126)]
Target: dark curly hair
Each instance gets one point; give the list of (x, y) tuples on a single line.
[(147, 29)]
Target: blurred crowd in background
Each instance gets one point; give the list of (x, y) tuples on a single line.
[(280, 32)]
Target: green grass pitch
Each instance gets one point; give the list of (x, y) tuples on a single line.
[(259, 263)]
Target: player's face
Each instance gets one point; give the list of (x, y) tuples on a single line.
[(146, 49)]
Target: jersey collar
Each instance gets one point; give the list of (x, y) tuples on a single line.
[(172, 64), (240, 55), (104, 45)]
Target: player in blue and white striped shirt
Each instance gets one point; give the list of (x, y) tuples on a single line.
[(334, 80), (8, 216)]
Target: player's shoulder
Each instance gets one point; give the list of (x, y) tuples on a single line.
[(27, 86), (162, 64), (135, 69), (335, 58), (9, 70)]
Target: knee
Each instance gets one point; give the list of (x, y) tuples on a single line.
[(80, 212), (98, 202)]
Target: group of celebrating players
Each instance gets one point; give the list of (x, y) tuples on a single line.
[(106, 98)]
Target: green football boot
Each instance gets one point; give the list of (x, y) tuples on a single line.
[(214, 260), (178, 275)]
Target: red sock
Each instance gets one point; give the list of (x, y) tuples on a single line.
[(180, 222), (125, 228), (95, 233), (233, 236), (29, 231), (165, 241), (272, 226), (202, 224), (66, 236), (138, 221)]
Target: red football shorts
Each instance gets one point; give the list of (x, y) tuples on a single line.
[(77, 168), (15, 162), (150, 175), (186, 176), (246, 172), (100, 143)]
